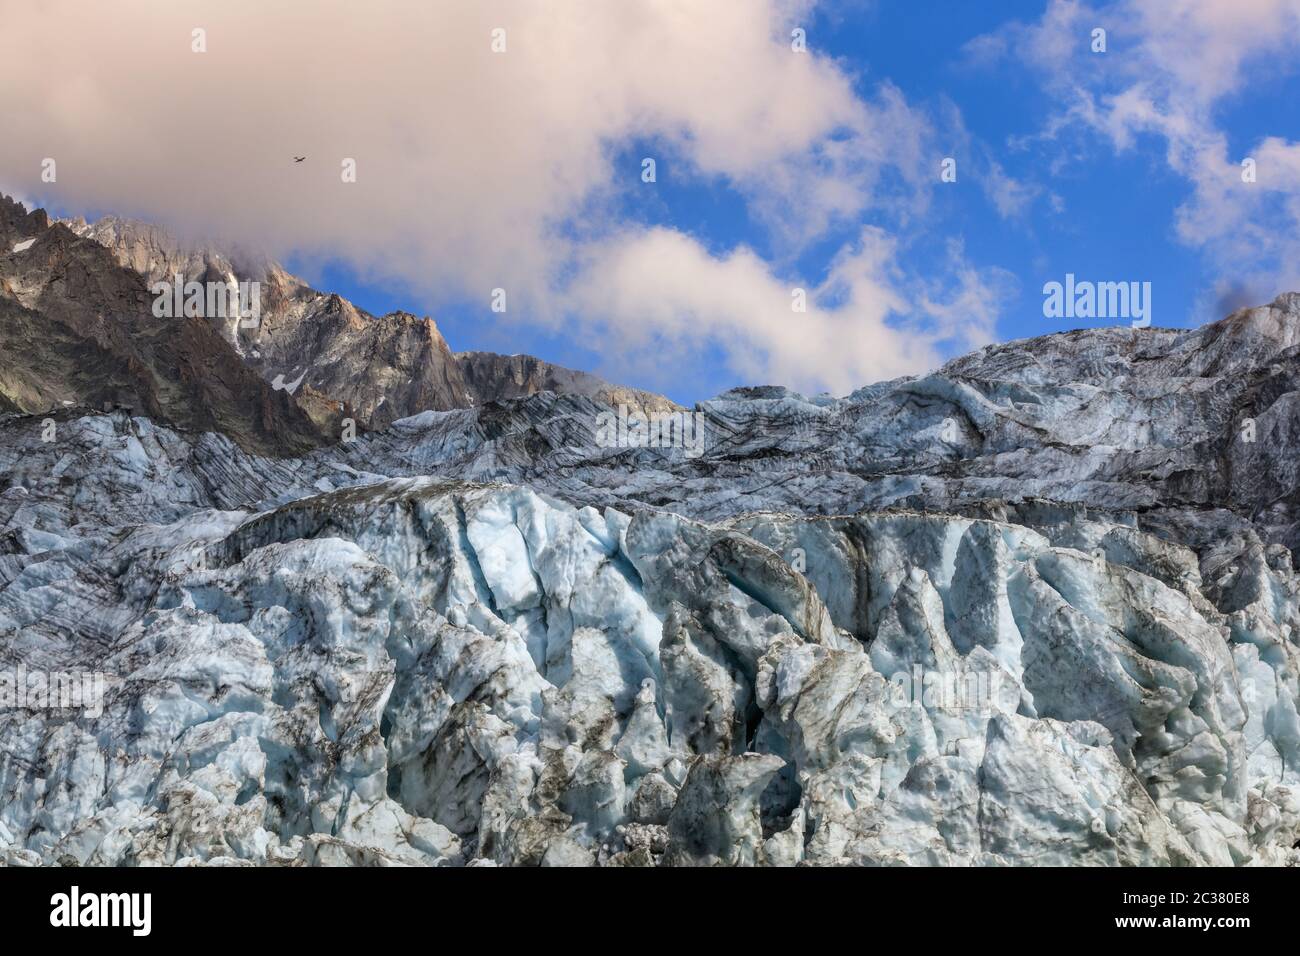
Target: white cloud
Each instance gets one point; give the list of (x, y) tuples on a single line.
[(668, 302), (476, 169)]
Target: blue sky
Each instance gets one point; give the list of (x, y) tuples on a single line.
[(1099, 213), (776, 169)]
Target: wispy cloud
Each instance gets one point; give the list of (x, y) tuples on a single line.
[(1169, 70)]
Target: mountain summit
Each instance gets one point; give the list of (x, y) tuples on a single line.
[(321, 358)]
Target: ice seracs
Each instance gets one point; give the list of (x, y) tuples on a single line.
[(1040, 607), (424, 671)]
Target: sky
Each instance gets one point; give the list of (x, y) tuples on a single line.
[(798, 148)]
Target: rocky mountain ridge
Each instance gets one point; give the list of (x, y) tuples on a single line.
[(1041, 606), (78, 329), (380, 368), (322, 359)]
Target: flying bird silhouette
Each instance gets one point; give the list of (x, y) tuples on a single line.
[(299, 159)]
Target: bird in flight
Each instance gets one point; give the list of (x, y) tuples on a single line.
[(299, 159)]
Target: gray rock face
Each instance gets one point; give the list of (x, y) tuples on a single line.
[(373, 369), (337, 359), (77, 329), (1041, 607), (494, 378)]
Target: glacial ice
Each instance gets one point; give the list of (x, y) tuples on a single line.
[(419, 671), (842, 636)]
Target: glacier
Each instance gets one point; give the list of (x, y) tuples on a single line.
[(480, 637)]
